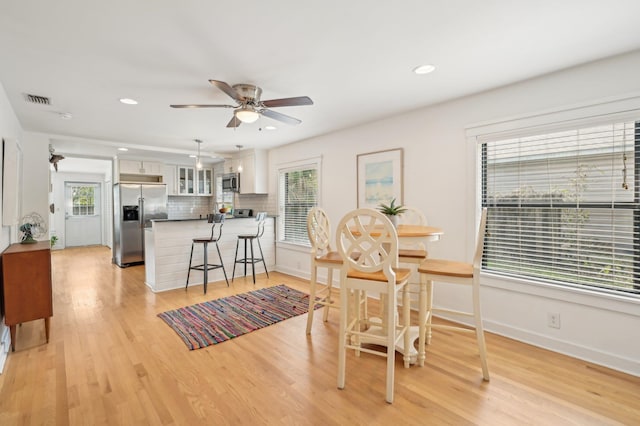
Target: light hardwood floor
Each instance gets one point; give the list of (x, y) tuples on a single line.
[(111, 360)]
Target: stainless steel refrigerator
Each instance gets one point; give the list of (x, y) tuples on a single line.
[(135, 205)]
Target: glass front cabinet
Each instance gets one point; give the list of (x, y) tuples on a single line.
[(186, 180), (205, 182)]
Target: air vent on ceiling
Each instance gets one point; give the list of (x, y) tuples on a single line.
[(35, 99)]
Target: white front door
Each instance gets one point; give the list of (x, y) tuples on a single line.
[(83, 219)]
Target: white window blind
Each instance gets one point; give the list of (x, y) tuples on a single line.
[(298, 193), (563, 207)]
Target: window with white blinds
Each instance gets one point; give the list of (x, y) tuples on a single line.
[(563, 207), (297, 194)]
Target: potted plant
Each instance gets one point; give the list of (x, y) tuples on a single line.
[(392, 211)]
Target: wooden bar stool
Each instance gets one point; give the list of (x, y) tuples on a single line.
[(461, 273), (250, 238), (213, 219)]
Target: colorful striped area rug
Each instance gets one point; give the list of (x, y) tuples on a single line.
[(218, 320)]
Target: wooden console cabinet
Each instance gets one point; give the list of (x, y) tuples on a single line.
[(27, 294)]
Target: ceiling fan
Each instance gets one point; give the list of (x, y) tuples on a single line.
[(249, 106)]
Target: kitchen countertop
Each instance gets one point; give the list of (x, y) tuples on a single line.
[(202, 218)]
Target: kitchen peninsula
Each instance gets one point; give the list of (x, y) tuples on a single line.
[(168, 245)]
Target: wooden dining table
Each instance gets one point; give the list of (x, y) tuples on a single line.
[(411, 234)]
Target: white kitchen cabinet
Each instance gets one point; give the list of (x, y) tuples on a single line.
[(204, 182), (169, 178), (136, 167), (186, 180), (253, 177)]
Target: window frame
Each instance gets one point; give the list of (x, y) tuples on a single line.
[(307, 164), (592, 206), (587, 114), (72, 212)]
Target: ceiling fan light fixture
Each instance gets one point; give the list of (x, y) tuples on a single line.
[(247, 114), (424, 69)]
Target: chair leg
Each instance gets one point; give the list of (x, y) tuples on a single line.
[(406, 319), (262, 257), (422, 320), (429, 310), (327, 299), (189, 270), (312, 296), (480, 332), (205, 267), (356, 297), (222, 264), (342, 336), (391, 346), (253, 265), (235, 260), (245, 257)]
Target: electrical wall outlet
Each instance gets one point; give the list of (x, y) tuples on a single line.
[(553, 320)]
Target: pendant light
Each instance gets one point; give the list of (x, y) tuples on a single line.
[(198, 162), (239, 161)]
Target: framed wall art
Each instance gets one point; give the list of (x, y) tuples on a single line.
[(380, 178)]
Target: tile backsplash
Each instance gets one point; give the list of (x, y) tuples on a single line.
[(185, 207), (189, 207), (257, 202)]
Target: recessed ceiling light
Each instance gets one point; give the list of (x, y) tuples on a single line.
[(123, 149), (270, 127), (66, 115), (424, 69), (192, 156), (128, 101)]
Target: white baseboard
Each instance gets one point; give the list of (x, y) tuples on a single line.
[(613, 361), (5, 345)]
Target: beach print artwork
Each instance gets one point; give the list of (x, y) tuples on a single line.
[(378, 182)]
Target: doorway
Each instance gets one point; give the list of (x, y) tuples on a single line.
[(83, 219)]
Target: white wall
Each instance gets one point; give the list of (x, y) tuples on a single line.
[(9, 129), (440, 180), (35, 174)]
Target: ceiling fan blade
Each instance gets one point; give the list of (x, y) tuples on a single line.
[(280, 117), (297, 101), (226, 89), (234, 122), (202, 106)]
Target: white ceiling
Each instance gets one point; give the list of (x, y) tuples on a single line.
[(353, 58)]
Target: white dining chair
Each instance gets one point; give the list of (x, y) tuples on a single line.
[(322, 256), (368, 245), (412, 252), (466, 274)]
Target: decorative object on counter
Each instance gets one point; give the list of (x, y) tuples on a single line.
[(392, 211), (32, 226), (218, 320), (223, 209), (54, 240), (379, 177)]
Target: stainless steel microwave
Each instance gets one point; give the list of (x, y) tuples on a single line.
[(231, 182)]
